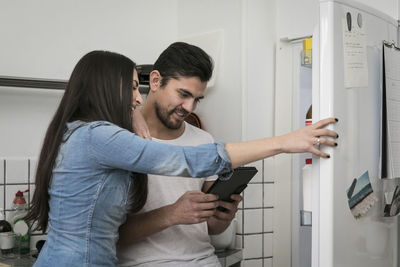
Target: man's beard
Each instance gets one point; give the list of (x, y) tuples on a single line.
[(164, 116)]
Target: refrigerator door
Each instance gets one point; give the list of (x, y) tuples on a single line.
[(339, 240)]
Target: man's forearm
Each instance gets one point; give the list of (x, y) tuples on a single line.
[(216, 226), (139, 226)]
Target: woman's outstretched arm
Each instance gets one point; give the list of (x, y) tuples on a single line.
[(306, 139)]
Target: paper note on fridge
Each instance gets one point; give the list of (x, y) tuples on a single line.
[(355, 52)]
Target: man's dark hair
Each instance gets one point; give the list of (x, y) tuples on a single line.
[(184, 60)]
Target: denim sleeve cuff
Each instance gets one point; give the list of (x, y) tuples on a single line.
[(226, 169)]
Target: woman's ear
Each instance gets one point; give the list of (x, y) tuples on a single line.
[(154, 80)]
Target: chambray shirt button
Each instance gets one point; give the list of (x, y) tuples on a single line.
[(217, 160)]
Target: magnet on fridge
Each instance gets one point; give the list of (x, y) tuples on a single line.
[(361, 197)]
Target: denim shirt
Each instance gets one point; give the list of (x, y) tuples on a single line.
[(89, 189)]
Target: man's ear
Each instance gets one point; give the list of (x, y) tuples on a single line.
[(155, 80)]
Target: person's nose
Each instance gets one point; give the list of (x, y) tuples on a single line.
[(189, 105), (137, 98)]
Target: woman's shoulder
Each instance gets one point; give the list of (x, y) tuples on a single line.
[(95, 124), (73, 125), (96, 127), (104, 130)]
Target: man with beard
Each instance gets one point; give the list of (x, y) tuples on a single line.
[(172, 228)]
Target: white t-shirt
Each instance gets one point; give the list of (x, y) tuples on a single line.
[(179, 245)]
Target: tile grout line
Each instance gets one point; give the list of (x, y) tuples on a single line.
[(14, 184), (262, 213), (267, 182), (259, 258), (4, 189), (243, 220), (29, 184), (257, 208), (258, 233)]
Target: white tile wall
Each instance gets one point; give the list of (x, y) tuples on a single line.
[(8, 215), (259, 175), (268, 220), (2, 199), (268, 245), (268, 195), (1, 171), (240, 206), (253, 263), (32, 170), (239, 241), (31, 191), (252, 246), (253, 196), (239, 217), (268, 262), (255, 217), (269, 170), (15, 174), (253, 221), (16, 170)]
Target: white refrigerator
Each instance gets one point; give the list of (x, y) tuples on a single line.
[(347, 83), (346, 78)]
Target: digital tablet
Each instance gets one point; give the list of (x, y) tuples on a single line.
[(235, 185)]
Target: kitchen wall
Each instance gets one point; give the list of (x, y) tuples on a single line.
[(45, 38), (257, 218), (17, 174), (223, 101)]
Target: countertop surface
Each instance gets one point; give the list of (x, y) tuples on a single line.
[(226, 256), (21, 261)]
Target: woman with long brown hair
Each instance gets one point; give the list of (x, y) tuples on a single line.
[(91, 162)]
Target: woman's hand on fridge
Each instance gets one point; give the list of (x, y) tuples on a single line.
[(310, 138)]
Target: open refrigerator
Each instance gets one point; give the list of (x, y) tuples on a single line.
[(332, 237)]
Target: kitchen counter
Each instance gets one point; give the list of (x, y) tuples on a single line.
[(22, 261), (230, 257)]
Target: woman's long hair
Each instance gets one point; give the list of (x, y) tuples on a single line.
[(100, 88)]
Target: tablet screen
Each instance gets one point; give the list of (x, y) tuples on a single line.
[(235, 185)]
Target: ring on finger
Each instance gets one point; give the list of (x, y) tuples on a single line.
[(318, 141)]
